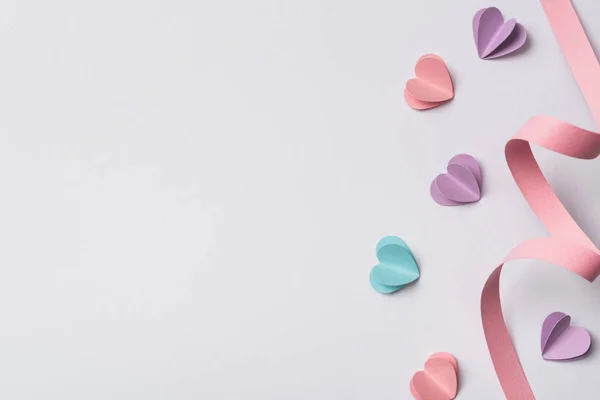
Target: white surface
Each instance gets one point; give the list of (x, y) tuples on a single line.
[(192, 194)]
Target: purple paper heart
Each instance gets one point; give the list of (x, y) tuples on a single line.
[(560, 341), (460, 185), (495, 38)]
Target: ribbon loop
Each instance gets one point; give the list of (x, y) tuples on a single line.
[(568, 247)]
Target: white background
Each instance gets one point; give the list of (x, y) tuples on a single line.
[(192, 192)]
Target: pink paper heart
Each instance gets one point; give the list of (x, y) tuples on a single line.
[(439, 379), (560, 341), (432, 83)]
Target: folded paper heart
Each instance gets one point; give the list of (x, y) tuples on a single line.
[(397, 266), (493, 36), (560, 341), (460, 185), (439, 379), (432, 84)]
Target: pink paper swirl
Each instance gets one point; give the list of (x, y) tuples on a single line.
[(568, 246)]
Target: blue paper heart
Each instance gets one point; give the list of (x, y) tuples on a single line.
[(397, 266)]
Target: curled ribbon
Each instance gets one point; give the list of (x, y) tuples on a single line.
[(568, 246)]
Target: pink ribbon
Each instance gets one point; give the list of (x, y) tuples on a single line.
[(568, 246)]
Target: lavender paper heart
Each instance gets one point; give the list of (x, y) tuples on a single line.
[(495, 38), (462, 183), (560, 341), (459, 184)]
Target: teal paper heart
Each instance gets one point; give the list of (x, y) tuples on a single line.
[(397, 266)]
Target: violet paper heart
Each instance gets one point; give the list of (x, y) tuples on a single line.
[(494, 37), (560, 341), (460, 185)]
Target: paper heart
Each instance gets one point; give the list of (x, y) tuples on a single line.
[(460, 185), (439, 379), (432, 85), (560, 341), (493, 36), (397, 266)]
